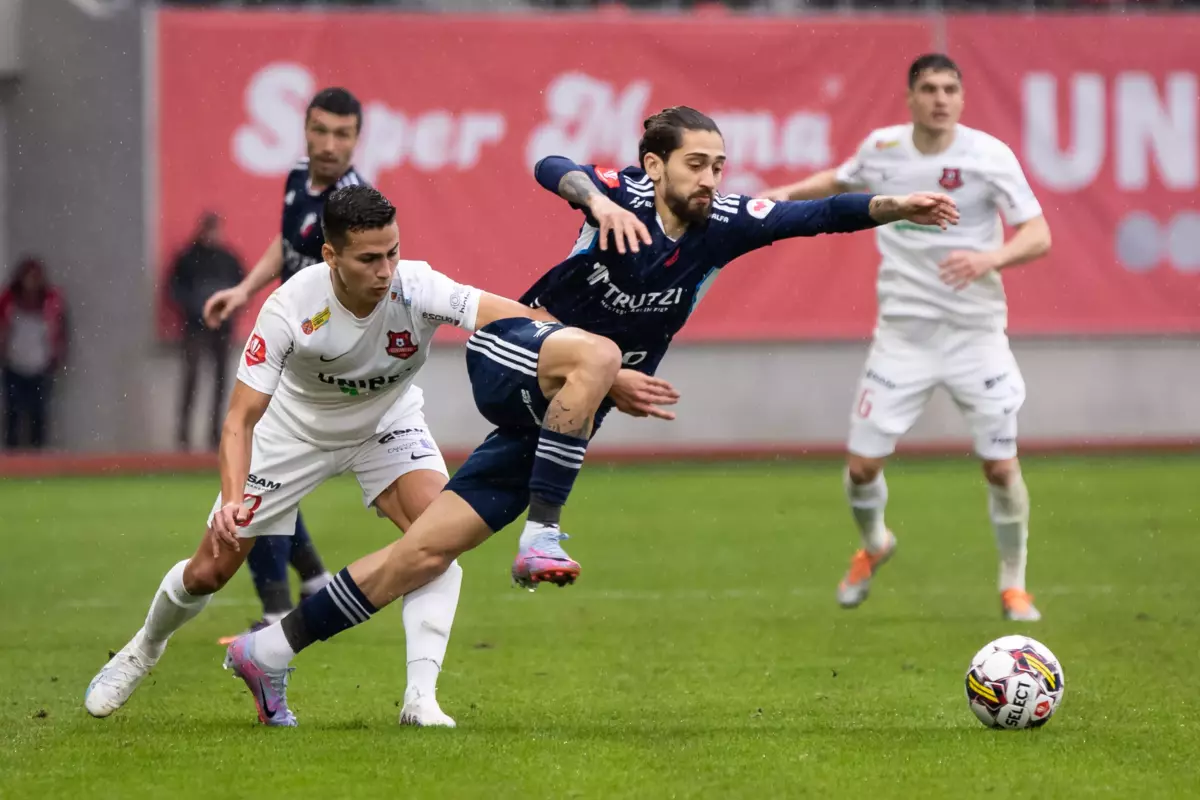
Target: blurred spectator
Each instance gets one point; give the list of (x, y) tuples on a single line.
[(204, 267), (33, 345)]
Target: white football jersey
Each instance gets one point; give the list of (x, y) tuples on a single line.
[(336, 379), (983, 176)]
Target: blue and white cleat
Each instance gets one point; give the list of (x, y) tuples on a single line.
[(268, 687), (542, 559), (115, 683)]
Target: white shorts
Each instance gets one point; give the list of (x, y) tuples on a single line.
[(284, 469), (909, 359)]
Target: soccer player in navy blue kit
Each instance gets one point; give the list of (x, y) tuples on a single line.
[(331, 128), (547, 383)]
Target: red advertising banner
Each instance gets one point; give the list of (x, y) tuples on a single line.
[(1103, 114), (458, 109)]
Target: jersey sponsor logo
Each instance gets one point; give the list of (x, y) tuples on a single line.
[(458, 298), (623, 303), (988, 383), (886, 144), (951, 179), (354, 388), (608, 176), (256, 351), (315, 321), (441, 319), (400, 344), (872, 375), (760, 207)]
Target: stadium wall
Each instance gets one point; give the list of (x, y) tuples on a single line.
[(78, 196)]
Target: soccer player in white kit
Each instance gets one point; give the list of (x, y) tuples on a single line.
[(324, 387), (942, 315)]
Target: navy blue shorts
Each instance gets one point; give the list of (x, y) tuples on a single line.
[(502, 365)]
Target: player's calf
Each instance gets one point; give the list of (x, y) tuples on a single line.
[(1008, 508), (576, 370)]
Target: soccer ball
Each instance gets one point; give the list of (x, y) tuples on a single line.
[(1014, 682)]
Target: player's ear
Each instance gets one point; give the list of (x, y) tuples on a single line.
[(654, 166), (329, 254)]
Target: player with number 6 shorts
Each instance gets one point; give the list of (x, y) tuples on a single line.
[(942, 315)]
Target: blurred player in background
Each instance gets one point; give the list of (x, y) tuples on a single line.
[(332, 124), (942, 315), (325, 387), (546, 384)]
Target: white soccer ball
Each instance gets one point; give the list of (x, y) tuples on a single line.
[(1014, 682)]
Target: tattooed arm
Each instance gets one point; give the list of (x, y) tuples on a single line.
[(596, 195)]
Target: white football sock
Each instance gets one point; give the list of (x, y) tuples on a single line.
[(1008, 506), (867, 503), (171, 608), (428, 617), (531, 531), (270, 648)]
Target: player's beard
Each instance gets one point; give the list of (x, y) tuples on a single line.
[(682, 206)]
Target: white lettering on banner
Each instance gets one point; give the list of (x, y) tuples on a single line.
[(1146, 125), (590, 120), (275, 101), (273, 138)]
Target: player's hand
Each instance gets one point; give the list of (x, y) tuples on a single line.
[(225, 526), (627, 229), (641, 395), (963, 267), (222, 304), (923, 208)]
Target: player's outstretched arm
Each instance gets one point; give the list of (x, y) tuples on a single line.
[(493, 307), (814, 187), (222, 304), (246, 407), (576, 185)]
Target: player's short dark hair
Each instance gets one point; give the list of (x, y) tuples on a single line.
[(336, 100), (664, 131), (931, 62), (354, 209)]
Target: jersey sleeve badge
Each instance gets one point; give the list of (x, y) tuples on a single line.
[(759, 207), (256, 351)]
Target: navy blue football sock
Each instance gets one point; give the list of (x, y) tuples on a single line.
[(339, 606), (556, 462), (268, 562), (304, 557)]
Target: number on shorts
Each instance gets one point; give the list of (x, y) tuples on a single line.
[(255, 500), (864, 403)]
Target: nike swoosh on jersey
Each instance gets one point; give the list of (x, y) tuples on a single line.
[(335, 358), (415, 457)]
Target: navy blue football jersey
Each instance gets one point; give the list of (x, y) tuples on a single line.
[(302, 235), (641, 300)]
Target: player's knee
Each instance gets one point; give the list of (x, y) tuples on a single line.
[(599, 359), (863, 470), (207, 576), (1005, 472)]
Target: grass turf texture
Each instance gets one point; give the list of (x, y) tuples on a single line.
[(701, 653)]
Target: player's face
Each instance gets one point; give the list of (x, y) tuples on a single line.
[(331, 139), (936, 100), (690, 177), (366, 265)]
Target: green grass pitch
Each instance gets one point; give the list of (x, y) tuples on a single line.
[(700, 655)]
